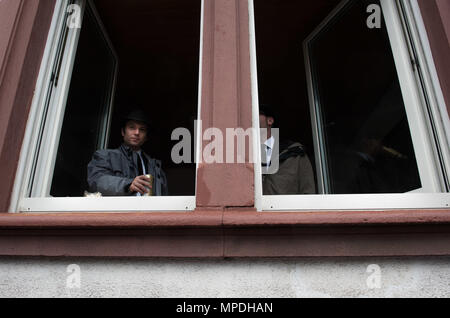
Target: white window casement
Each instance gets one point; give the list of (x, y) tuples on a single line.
[(54, 113), (369, 82)]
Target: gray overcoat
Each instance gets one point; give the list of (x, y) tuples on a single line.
[(295, 175), (111, 172)]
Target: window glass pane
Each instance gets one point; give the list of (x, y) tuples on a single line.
[(281, 27), (364, 144), (366, 135), (365, 132), (86, 116), (157, 44)]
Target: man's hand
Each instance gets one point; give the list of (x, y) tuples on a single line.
[(141, 185)]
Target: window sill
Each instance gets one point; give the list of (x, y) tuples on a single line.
[(230, 233)]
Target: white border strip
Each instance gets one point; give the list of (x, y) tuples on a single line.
[(198, 141), (255, 107), (356, 202), (431, 80), (47, 151), (420, 131), (431, 67), (108, 204)]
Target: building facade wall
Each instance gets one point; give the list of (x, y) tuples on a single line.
[(24, 26), (422, 277)]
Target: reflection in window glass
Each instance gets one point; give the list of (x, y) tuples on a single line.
[(86, 117), (364, 136), (157, 44)]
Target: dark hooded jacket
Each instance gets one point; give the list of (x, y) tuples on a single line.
[(295, 175), (111, 172)]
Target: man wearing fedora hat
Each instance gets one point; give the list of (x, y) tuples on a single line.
[(123, 171)]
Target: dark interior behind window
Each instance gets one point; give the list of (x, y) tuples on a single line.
[(158, 44)]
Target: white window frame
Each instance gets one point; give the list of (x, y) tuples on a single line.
[(431, 196), (39, 200)]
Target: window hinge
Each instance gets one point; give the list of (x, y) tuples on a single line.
[(415, 64), (54, 79)]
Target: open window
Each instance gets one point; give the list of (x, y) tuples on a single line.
[(87, 116), (104, 59), (340, 76)]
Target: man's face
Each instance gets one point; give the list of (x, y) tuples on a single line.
[(265, 122), (134, 134)]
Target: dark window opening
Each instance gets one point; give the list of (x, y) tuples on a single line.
[(281, 27), (157, 43), (364, 133)]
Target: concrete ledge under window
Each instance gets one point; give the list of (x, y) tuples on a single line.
[(230, 233)]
